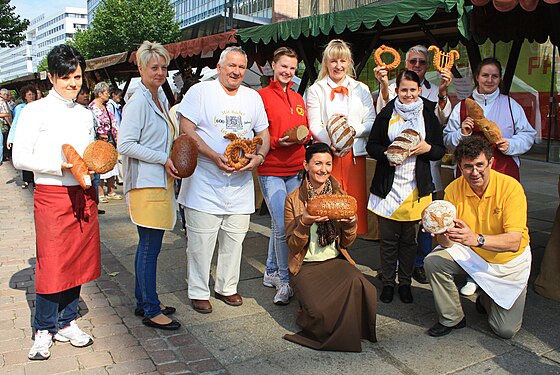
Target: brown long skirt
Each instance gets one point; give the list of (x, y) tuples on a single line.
[(337, 306)]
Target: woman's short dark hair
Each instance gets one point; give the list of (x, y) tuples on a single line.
[(471, 147), (408, 75), (25, 89), (114, 90), (85, 90), (317, 148), (63, 60)]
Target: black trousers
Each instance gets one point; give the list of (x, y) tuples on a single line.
[(398, 243)]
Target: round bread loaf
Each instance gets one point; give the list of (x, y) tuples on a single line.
[(335, 206), (340, 133), (438, 216), (396, 154), (184, 155), (100, 156)]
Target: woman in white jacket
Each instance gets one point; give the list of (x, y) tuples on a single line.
[(336, 93)]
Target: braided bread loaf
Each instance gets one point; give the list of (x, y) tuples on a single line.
[(335, 206)]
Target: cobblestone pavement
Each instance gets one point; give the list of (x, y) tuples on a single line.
[(248, 339)]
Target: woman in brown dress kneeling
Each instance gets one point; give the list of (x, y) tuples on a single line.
[(337, 303)]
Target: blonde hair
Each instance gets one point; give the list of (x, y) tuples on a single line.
[(149, 50), (336, 49)]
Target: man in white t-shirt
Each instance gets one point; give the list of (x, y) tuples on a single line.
[(219, 200)]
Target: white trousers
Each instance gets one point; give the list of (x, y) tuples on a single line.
[(203, 230)]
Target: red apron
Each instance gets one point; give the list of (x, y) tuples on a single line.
[(67, 236), (351, 173), (502, 163)]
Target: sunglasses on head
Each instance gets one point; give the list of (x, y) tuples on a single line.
[(417, 61)]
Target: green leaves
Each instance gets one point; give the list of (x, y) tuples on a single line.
[(11, 26), (122, 25)]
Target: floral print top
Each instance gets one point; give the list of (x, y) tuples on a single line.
[(106, 122)]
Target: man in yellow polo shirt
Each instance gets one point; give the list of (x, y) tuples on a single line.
[(490, 242)]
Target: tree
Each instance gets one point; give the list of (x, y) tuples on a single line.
[(11, 26), (122, 25)]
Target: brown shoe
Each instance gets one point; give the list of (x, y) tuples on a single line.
[(233, 300), (202, 306)]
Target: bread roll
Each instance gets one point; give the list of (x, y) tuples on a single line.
[(297, 134), (340, 133), (100, 156), (79, 168), (184, 155), (438, 216), (335, 206)]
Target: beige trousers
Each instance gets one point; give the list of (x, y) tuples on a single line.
[(440, 270), (203, 230)]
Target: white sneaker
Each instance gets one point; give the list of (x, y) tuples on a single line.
[(283, 294), (469, 288), (75, 335), (40, 349), (272, 280)]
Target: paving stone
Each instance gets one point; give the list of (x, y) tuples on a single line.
[(132, 367), (155, 344), (174, 368), (129, 354), (52, 366), (163, 356), (99, 321), (95, 359), (109, 330), (109, 342)]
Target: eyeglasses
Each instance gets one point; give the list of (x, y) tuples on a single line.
[(417, 61), (480, 167)]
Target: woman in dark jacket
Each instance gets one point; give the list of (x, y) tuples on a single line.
[(399, 193)]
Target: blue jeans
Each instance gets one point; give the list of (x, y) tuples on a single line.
[(424, 244), (424, 247), (275, 189), (95, 182), (145, 266), (56, 309)]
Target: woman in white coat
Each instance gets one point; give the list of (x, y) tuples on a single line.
[(336, 92)]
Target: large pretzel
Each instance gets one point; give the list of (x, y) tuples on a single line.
[(235, 152), (444, 60), (392, 51)]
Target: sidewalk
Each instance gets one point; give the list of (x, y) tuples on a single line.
[(248, 339)]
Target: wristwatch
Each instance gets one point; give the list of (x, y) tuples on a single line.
[(480, 240), (444, 97)]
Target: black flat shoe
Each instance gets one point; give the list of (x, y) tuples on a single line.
[(405, 294), (171, 326), (419, 274), (387, 294), (168, 310), (479, 307), (440, 330)]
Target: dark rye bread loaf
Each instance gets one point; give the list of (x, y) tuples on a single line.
[(184, 155)]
